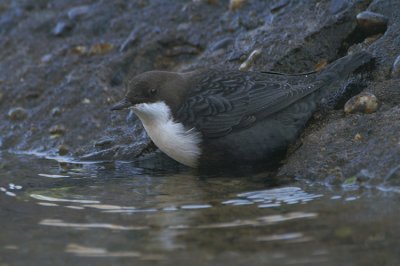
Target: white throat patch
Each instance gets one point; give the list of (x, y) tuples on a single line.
[(169, 136)]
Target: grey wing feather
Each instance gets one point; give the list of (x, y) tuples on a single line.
[(225, 101)]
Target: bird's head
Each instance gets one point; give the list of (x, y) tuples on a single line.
[(152, 87)]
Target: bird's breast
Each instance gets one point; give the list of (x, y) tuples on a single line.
[(178, 142)]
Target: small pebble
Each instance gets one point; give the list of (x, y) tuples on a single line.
[(62, 28), (236, 4), (46, 58), (250, 60), (184, 26), (372, 23), (101, 48), (56, 111), (63, 150), (77, 12), (86, 101), (396, 68), (364, 102), (358, 137), (17, 113), (80, 50), (57, 130)]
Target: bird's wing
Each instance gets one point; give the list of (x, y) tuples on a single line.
[(224, 101)]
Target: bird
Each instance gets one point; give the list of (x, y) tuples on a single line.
[(214, 117)]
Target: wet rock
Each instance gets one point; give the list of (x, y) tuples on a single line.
[(351, 181), (62, 28), (335, 177), (221, 44), (364, 175), (107, 154), (396, 68), (212, 2), (209, 2), (251, 21), (250, 60), (184, 26), (181, 50), (117, 79), (237, 56), (131, 40), (294, 48), (393, 176), (56, 111), (278, 6), (236, 4), (365, 44), (57, 130), (369, 40), (63, 150), (78, 12), (17, 114), (336, 6), (364, 102), (372, 23), (387, 91), (104, 143), (46, 58), (322, 63)]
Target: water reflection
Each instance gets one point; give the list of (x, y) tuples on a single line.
[(119, 210), (274, 197), (80, 250)]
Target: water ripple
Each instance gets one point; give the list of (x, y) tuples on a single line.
[(273, 197)]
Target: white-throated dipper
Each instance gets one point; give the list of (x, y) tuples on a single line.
[(214, 117)]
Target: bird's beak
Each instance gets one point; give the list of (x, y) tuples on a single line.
[(123, 104)]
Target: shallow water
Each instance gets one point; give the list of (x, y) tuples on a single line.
[(64, 213)]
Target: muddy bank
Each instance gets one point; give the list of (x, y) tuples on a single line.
[(63, 64)]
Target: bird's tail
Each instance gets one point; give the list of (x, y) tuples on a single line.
[(343, 67), (334, 79)]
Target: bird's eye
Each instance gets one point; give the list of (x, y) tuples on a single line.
[(153, 91)]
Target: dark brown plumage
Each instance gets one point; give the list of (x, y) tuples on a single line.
[(242, 117)]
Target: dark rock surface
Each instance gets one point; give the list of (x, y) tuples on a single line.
[(65, 62)]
